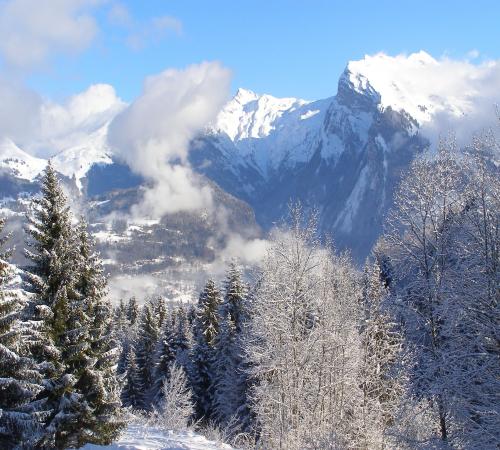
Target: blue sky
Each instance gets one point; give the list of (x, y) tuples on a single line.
[(287, 48)]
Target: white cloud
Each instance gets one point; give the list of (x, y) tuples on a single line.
[(19, 111), (248, 251), (141, 33), (140, 286), (64, 125), (32, 30), (442, 94), (164, 24), (43, 128), (153, 134)]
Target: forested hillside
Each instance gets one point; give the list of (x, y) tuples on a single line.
[(302, 351)]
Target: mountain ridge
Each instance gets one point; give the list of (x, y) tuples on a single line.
[(343, 155)]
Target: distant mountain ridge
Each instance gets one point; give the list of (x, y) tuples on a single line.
[(343, 155)]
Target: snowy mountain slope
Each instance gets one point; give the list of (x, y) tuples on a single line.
[(343, 154), (413, 84), (77, 160), (263, 131), (249, 115), (18, 163), (73, 162), (138, 437), (271, 132), (74, 133), (268, 130)]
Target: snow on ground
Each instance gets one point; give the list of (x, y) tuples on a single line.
[(141, 437)]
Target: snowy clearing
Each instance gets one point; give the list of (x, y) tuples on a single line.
[(141, 437)]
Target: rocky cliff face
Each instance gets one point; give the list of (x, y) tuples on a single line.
[(343, 155)]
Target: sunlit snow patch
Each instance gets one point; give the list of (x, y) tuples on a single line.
[(309, 114), (141, 437)]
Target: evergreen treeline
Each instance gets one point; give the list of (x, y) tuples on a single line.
[(206, 341)]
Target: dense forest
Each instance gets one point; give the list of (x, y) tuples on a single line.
[(304, 351)]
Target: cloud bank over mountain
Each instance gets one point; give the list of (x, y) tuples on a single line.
[(153, 134), (442, 94)]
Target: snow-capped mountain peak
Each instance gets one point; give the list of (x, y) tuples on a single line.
[(417, 83), (76, 160), (244, 96), (250, 115), (73, 162), (18, 162)]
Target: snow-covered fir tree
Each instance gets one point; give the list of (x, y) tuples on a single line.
[(235, 292), (124, 334), (71, 340), (52, 277), (181, 342), (133, 390), (164, 358), (98, 382), (132, 311), (19, 377), (160, 311), (205, 330), (206, 323), (147, 340), (229, 378), (120, 310)]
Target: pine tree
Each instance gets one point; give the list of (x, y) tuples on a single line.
[(191, 316), (120, 312), (97, 380), (51, 277), (205, 329), (122, 332), (235, 292), (132, 311), (133, 391), (72, 339), (125, 331), (19, 377), (181, 342), (165, 357), (228, 386), (145, 350), (160, 311), (229, 382)]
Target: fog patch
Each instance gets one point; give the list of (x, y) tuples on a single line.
[(153, 134)]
